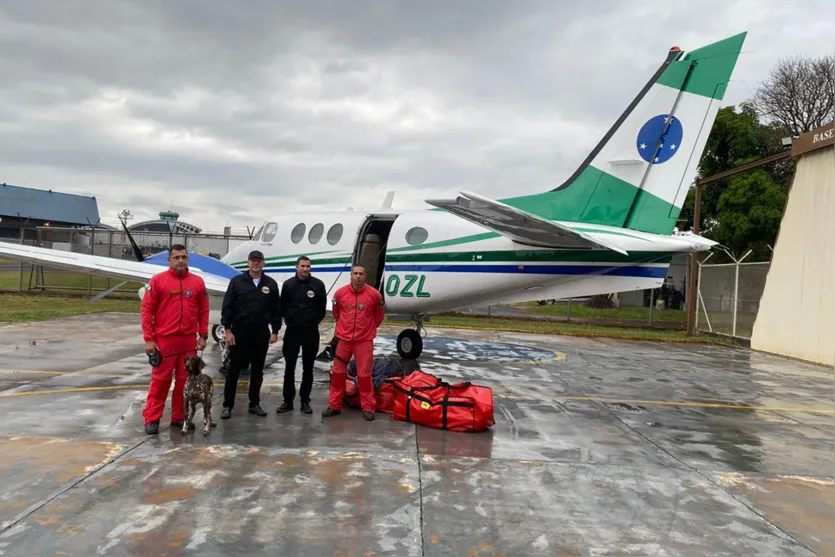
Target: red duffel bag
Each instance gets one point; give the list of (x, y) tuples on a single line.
[(461, 407), (385, 394)]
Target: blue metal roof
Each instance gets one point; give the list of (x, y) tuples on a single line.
[(47, 205)]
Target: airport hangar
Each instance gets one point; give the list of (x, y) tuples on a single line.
[(32, 208), (795, 316)]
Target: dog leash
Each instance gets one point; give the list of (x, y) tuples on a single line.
[(156, 358)]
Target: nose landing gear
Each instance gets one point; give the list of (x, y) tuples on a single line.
[(219, 336), (410, 341)]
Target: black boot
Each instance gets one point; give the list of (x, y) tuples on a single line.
[(152, 428), (226, 413), (256, 409), (285, 407), (306, 408)]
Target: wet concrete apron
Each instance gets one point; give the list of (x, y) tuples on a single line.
[(600, 448)]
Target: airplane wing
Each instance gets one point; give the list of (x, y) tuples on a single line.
[(108, 266), (518, 225)]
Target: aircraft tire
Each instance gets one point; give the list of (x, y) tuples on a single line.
[(217, 332), (409, 344)]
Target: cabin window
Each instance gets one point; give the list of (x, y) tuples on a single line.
[(335, 234), (298, 233), (269, 232), (316, 233), (416, 236)]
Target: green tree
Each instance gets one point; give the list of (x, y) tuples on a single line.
[(751, 208), (744, 211)]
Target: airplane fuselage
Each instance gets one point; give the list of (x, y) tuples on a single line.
[(428, 261)]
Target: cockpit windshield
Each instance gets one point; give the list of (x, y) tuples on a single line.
[(257, 235)]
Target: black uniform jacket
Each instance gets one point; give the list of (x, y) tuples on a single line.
[(303, 302), (246, 306)]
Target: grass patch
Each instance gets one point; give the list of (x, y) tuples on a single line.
[(67, 281), (19, 308), (578, 310), (509, 324)]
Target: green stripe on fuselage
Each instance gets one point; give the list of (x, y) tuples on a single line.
[(446, 243), (294, 257), (531, 256), (313, 261)]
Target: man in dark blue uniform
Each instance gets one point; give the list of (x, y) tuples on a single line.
[(251, 307), (303, 303)]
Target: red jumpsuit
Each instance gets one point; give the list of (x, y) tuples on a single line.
[(358, 313), (175, 309)]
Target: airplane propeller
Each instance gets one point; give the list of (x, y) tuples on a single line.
[(137, 252)]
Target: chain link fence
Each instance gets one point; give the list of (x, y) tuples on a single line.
[(729, 297), (24, 277)]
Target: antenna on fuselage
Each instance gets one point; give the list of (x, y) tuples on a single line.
[(388, 200)]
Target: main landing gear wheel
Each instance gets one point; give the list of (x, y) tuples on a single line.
[(219, 336), (409, 344)]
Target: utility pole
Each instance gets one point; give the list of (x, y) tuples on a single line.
[(697, 209), (124, 216), (691, 284)]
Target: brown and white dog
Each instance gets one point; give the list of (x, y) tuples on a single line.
[(199, 389)]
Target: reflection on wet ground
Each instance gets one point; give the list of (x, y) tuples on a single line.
[(600, 448)]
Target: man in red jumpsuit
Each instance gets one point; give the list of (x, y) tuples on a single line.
[(358, 310), (175, 310)]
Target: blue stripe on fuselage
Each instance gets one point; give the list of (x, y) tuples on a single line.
[(608, 270)]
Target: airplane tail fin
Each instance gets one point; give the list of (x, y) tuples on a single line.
[(638, 175)]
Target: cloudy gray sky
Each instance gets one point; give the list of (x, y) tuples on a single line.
[(230, 111)]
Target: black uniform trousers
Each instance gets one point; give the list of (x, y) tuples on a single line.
[(249, 350), (306, 339)]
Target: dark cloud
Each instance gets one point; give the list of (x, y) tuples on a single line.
[(229, 112)]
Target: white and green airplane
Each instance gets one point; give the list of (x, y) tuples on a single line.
[(610, 227)]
